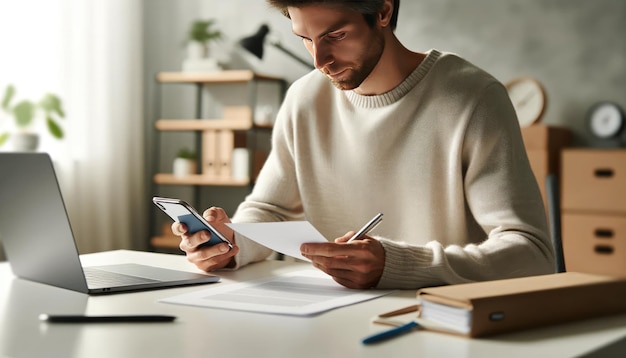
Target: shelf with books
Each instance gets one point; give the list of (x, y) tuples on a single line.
[(217, 77), (234, 118), (198, 179)]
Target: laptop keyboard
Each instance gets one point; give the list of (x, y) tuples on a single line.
[(100, 278)]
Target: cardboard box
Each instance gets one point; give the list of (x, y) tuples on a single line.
[(540, 166), (594, 181), (543, 146), (543, 137), (594, 243)]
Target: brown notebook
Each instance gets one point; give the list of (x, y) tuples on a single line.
[(494, 307)]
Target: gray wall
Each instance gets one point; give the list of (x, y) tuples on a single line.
[(576, 48)]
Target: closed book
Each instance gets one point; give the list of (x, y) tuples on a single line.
[(494, 307), (226, 140)]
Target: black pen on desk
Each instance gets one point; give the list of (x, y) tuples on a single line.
[(105, 319), (367, 227)]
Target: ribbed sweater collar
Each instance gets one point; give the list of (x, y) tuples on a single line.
[(400, 90)]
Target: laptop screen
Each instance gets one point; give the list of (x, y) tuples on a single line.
[(34, 225)]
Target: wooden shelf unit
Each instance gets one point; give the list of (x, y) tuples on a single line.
[(165, 242), (218, 77), (235, 119), (202, 124), (197, 179)]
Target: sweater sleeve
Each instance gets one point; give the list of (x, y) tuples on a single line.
[(275, 196), (501, 196)]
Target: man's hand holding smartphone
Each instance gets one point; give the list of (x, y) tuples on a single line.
[(207, 241), (208, 258)]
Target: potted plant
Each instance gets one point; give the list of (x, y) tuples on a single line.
[(25, 113), (200, 35), (184, 163)]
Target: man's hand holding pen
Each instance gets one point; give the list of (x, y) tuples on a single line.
[(354, 260)]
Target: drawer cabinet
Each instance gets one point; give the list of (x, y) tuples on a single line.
[(594, 180), (594, 210), (595, 243)]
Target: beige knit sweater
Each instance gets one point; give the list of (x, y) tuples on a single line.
[(440, 155)]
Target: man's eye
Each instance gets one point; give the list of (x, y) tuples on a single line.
[(337, 36)]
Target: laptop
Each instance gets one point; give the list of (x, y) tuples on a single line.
[(38, 240)]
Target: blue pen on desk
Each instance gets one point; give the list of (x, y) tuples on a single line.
[(367, 227), (390, 333)]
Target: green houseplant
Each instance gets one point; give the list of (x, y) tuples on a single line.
[(25, 113), (186, 153), (201, 33)]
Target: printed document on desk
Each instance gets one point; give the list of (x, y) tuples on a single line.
[(284, 237), (300, 293)]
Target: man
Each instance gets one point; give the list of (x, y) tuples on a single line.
[(426, 138)]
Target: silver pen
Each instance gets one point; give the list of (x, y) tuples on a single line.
[(368, 227)]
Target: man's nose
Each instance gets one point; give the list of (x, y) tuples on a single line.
[(322, 55)]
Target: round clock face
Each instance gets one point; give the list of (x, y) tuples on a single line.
[(606, 120), (528, 98)]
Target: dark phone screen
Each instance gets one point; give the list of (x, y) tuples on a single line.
[(194, 225)]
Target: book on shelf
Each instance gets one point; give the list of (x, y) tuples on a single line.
[(226, 145), (217, 153)]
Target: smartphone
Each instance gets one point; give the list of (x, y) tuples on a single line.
[(180, 211)]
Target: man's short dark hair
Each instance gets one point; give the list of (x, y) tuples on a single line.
[(369, 8)]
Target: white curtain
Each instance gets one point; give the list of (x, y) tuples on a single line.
[(96, 56), (104, 191)]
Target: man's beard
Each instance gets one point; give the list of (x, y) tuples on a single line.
[(359, 72)]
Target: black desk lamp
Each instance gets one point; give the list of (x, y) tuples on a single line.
[(254, 44)]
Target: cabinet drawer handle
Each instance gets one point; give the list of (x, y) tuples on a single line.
[(604, 233), (603, 173), (604, 249)]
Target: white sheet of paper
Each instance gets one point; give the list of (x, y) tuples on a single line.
[(284, 237), (299, 293)]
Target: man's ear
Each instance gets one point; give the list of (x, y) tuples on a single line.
[(384, 16)]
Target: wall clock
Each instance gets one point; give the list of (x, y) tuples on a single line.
[(529, 99), (605, 120)]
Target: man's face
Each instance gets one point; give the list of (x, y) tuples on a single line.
[(343, 46)]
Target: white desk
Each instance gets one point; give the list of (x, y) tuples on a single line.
[(203, 332)]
